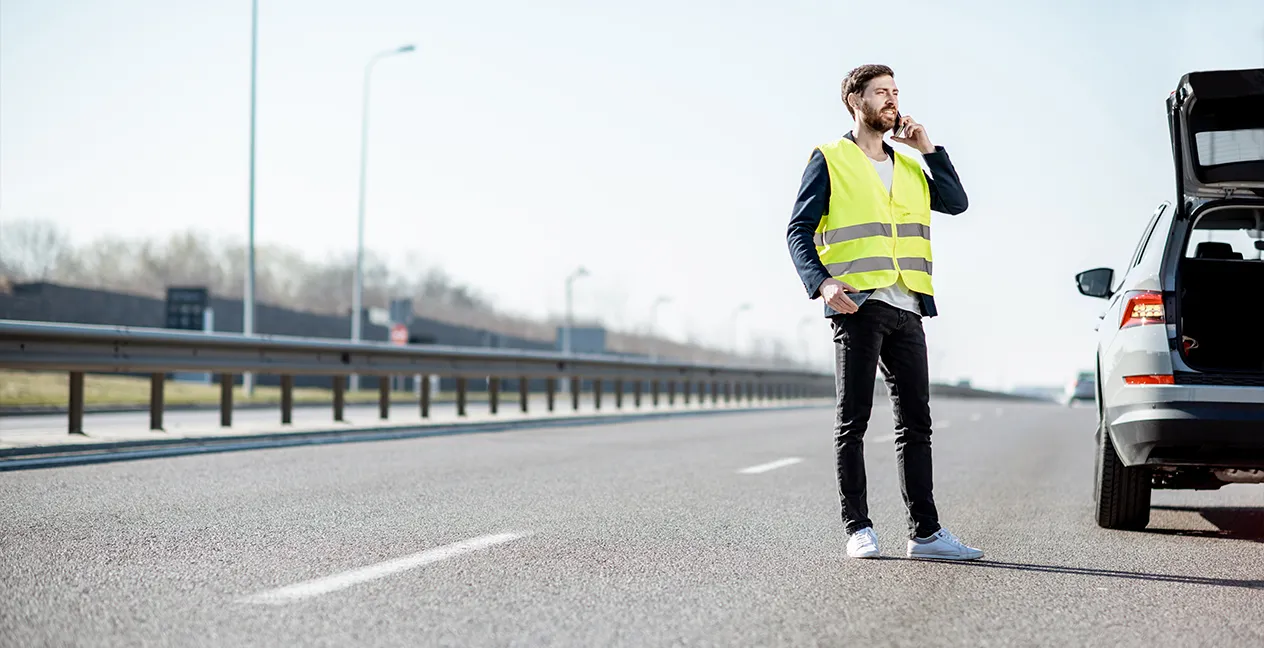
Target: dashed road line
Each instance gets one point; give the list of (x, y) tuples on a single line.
[(772, 465), (346, 579)]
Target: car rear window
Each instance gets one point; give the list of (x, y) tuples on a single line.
[(1229, 147)]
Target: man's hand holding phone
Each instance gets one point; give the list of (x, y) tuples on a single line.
[(911, 133), (834, 292)]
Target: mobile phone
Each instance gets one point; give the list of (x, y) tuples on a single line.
[(895, 131)]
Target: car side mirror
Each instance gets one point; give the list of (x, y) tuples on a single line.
[(1259, 245), (1096, 282)]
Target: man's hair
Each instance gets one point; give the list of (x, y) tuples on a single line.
[(858, 80)]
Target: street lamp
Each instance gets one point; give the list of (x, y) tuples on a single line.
[(740, 309), (653, 319), (357, 294), (248, 298), (566, 332), (803, 339)]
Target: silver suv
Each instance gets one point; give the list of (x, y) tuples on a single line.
[(1180, 354)]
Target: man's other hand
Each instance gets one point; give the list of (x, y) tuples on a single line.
[(834, 292)]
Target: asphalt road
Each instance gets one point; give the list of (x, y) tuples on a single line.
[(714, 530)]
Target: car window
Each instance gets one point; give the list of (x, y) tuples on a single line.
[(1227, 244), (1230, 234), (1228, 147)]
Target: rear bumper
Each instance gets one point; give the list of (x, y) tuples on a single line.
[(1229, 435)]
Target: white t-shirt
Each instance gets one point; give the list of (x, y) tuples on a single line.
[(899, 294)]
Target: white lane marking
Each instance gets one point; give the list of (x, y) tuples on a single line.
[(883, 439), (944, 425), (976, 417), (1000, 411), (772, 465), (347, 579)]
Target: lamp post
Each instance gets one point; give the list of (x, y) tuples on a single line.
[(248, 298), (570, 318), (740, 309), (807, 354), (653, 320), (357, 294)]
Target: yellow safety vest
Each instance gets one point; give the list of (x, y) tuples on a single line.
[(869, 238)]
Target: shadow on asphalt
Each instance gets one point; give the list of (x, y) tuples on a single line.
[(1109, 573), (1231, 522)]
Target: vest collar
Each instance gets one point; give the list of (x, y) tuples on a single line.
[(850, 136)]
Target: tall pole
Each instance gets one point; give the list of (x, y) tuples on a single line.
[(570, 317), (357, 297), (807, 354), (248, 300), (653, 322), (740, 309)]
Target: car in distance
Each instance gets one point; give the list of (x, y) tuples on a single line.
[(1180, 349), (1082, 388)]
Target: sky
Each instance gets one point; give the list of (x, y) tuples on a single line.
[(658, 144)]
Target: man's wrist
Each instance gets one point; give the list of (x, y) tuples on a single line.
[(930, 149)]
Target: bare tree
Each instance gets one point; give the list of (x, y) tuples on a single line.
[(30, 250)]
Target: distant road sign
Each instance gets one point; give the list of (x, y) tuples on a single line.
[(399, 334)]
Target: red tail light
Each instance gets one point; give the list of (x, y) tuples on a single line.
[(1141, 308)]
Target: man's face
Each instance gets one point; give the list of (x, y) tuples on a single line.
[(878, 104)]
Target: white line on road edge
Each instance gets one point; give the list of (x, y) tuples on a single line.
[(347, 579), (943, 425), (773, 465), (976, 417)]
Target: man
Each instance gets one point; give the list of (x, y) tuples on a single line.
[(860, 240)]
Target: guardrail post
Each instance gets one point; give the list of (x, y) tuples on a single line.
[(576, 384), (654, 393), (287, 399), (618, 394), (460, 396), (636, 392), (686, 387), (340, 397), (226, 400), (597, 389), (75, 422), (493, 395), (425, 396), (383, 397), (551, 391), (671, 393), (524, 393), (156, 383)]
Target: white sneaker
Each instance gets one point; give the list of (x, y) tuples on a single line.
[(945, 546), (863, 544)]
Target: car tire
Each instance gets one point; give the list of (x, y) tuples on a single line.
[(1122, 492)]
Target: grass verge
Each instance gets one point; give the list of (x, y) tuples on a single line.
[(52, 389)]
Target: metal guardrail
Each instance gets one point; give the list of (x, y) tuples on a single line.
[(79, 349)]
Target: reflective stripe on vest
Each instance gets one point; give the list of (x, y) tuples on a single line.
[(870, 238)]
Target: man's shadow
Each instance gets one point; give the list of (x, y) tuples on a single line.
[(1236, 523)]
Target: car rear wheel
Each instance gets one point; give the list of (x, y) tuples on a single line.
[(1122, 492)]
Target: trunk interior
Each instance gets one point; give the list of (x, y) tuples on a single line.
[(1221, 305)]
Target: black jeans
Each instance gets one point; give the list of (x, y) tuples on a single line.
[(881, 335)]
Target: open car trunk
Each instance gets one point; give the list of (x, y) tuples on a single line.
[(1216, 121), (1221, 292)]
